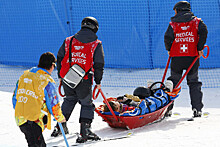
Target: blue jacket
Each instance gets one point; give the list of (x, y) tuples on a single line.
[(151, 103)]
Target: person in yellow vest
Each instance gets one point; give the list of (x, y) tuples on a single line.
[(35, 99)]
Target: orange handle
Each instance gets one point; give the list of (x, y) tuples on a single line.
[(105, 100), (60, 90), (206, 46), (95, 96), (192, 66)]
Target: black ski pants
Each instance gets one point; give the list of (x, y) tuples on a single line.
[(192, 81), (82, 94), (33, 134)]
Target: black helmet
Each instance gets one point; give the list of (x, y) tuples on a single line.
[(91, 23), (182, 6), (142, 92)]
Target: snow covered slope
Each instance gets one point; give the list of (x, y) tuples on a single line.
[(175, 131)]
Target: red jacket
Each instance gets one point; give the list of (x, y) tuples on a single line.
[(186, 38), (82, 54)]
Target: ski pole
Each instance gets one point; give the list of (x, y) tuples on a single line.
[(64, 136)]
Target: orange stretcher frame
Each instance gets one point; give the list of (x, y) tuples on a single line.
[(128, 122)]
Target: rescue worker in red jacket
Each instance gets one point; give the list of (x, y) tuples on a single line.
[(184, 40), (87, 52)]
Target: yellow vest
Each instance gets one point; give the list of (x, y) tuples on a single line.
[(30, 97)]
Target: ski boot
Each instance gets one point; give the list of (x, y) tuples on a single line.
[(169, 110), (197, 113), (168, 113), (57, 130), (86, 133), (169, 86)]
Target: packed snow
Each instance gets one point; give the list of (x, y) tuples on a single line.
[(174, 131)]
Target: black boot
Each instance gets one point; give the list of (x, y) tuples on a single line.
[(57, 130), (197, 113), (86, 133), (169, 110)]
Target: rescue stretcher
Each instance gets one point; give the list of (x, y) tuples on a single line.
[(131, 122)]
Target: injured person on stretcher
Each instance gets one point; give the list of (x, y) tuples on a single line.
[(144, 100)]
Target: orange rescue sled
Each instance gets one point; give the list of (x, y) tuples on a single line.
[(129, 122)]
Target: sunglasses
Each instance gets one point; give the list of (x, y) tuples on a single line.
[(54, 64)]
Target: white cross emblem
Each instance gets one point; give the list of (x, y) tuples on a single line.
[(183, 48)]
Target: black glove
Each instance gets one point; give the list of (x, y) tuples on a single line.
[(120, 98), (128, 101)]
